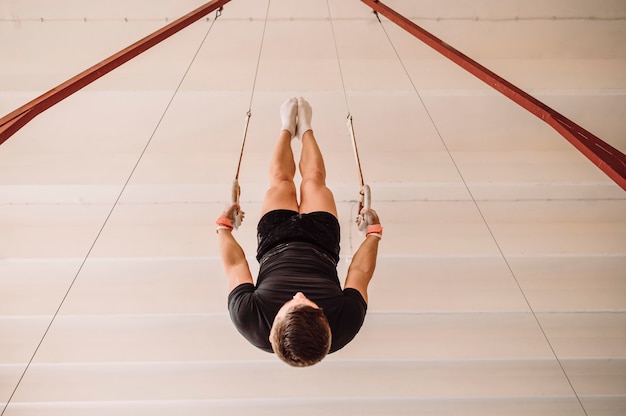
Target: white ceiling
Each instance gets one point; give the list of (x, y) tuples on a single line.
[(500, 287)]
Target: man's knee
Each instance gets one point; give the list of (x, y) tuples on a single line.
[(315, 180), (315, 188), (282, 188), (315, 174)]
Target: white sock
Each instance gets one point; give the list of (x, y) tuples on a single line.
[(288, 114), (305, 114)]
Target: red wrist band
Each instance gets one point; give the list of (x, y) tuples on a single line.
[(375, 229), (224, 222)]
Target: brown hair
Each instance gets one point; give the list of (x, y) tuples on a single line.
[(302, 338)]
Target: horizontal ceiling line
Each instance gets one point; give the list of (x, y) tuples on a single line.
[(338, 200), (125, 19), (373, 312), (337, 363), (307, 401), (421, 256), (424, 91), (256, 404)]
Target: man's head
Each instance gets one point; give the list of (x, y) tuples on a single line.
[(300, 335)]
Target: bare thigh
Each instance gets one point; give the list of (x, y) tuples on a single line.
[(281, 195), (315, 196)]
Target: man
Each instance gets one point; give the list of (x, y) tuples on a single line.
[(297, 308)]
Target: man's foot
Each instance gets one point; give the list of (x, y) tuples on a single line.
[(305, 114), (288, 114)]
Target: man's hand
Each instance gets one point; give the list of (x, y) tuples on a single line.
[(232, 211), (366, 218), (370, 216)]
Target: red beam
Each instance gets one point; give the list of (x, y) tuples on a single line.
[(15, 120), (610, 160)]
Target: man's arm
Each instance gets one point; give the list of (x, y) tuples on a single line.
[(233, 258), (363, 263)]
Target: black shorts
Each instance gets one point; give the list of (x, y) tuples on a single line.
[(284, 226)]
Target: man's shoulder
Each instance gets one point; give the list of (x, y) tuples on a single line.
[(356, 296), (239, 291)]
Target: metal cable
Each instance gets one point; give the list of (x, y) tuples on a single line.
[(349, 117), (110, 213), (256, 73), (484, 219)]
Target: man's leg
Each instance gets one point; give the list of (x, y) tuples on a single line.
[(314, 195), (282, 191)]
